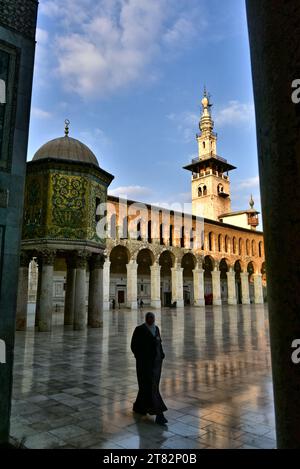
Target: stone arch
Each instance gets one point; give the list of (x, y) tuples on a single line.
[(208, 266), (251, 269), (224, 268), (145, 259), (238, 269), (167, 261), (188, 263), (119, 258)]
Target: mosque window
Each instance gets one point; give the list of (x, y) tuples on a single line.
[(113, 226), (220, 243), (182, 237), (149, 232), (204, 190), (200, 191), (139, 234), (210, 241)]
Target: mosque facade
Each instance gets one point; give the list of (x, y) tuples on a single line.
[(142, 252)]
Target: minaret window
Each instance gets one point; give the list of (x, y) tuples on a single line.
[(200, 191), (204, 190), (203, 144)]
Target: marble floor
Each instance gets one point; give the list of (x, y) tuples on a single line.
[(76, 389)]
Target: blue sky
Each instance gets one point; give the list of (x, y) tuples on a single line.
[(129, 74)]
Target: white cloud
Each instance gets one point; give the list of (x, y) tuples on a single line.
[(250, 183), (106, 45), (235, 114), (41, 36), (186, 124), (40, 113), (132, 192)]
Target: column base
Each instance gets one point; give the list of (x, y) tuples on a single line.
[(106, 305), (180, 303), (44, 327), (217, 302), (246, 301), (199, 303), (21, 324), (232, 301), (132, 305), (156, 304), (79, 327), (259, 301), (96, 324)]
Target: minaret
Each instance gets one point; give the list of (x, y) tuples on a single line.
[(210, 180)]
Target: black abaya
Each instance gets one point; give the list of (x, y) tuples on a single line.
[(149, 355)]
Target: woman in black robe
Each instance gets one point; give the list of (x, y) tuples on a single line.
[(147, 349)]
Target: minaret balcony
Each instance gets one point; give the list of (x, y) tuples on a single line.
[(224, 195)]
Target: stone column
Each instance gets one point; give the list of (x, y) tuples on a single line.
[(274, 31), (177, 286), (245, 288), (46, 298), (106, 284), (132, 284), (231, 287), (198, 274), (70, 291), (95, 306), (38, 292), (155, 286), (80, 291), (22, 297), (258, 289), (216, 287)]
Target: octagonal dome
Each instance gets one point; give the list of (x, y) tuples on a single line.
[(68, 149)]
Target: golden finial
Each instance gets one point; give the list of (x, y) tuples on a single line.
[(67, 123), (251, 203)]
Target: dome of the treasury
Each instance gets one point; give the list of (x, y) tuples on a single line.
[(68, 149)]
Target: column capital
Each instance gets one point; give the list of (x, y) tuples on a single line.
[(81, 258), (25, 258), (97, 261), (48, 256), (155, 266)]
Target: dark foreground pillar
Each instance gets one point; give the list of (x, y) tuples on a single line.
[(17, 45), (274, 29)]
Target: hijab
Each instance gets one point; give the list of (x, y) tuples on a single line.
[(151, 328)]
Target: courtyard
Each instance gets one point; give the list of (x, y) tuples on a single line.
[(75, 389)]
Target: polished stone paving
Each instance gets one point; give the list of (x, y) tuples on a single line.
[(75, 389)]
